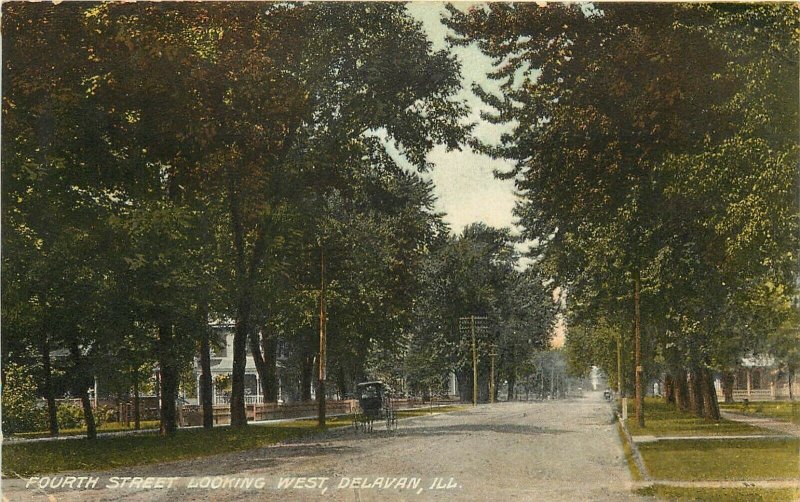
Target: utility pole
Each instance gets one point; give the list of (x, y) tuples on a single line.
[(468, 323), (474, 363), (493, 354), (322, 342), (637, 332), (619, 363)]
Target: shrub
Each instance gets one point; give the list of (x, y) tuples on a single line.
[(69, 416), (104, 414), (21, 411)]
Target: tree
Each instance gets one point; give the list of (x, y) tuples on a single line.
[(331, 91), (475, 274), (602, 102)]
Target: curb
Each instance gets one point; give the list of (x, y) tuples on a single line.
[(637, 456)]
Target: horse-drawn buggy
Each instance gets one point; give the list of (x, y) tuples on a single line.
[(374, 403)]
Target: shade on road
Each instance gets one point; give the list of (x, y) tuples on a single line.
[(555, 450)]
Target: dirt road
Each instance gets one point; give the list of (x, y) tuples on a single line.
[(557, 450)]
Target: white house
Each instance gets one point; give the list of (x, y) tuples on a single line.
[(222, 367)]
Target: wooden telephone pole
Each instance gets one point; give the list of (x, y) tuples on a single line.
[(493, 354), (637, 333), (471, 319), (322, 343), (474, 363)]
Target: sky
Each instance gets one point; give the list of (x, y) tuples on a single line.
[(465, 186)]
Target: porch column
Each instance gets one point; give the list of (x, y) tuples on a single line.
[(259, 398), (197, 393)]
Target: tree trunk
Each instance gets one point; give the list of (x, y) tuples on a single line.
[(206, 389), (669, 389), (263, 347), (727, 386), (464, 385), (81, 383), (238, 413), (791, 384), (512, 382), (88, 414), (321, 404), (682, 400), (169, 380), (695, 393), (52, 417), (137, 412), (710, 405), (269, 382)]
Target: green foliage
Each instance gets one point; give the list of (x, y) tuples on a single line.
[(655, 141), (477, 273), (21, 408), (149, 202), (69, 416), (222, 383)]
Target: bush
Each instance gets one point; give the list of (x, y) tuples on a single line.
[(104, 414), (21, 410), (69, 416)]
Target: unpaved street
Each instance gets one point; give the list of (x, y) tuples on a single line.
[(557, 450)]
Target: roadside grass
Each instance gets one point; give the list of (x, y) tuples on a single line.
[(424, 411), (712, 459), (780, 410), (26, 459), (662, 419), (722, 459), (720, 494), (106, 427), (626, 448)]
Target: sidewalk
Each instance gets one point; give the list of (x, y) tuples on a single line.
[(763, 483), (100, 435), (653, 439), (781, 426), (771, 429)]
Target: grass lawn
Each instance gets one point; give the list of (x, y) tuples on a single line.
[(662, 419), (712, 459), (107, 427), (26, 459), (720, 494), (723, 459), (122, 451), (781, 410)]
